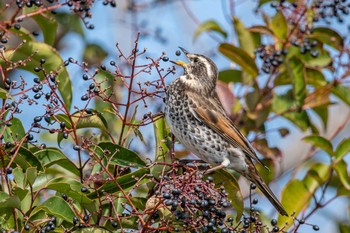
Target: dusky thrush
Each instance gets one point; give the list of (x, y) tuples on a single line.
[(197, 118)]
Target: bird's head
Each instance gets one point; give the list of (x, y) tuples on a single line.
[(199, 71)]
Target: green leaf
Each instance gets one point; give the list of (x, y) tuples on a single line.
[(124, 182), (295, 197), (315, 77), (48, 26), (342, 149), (119, 155), (58, 207), (228, 76), (26, 159), (4, 94), (342, 92), (31, 174), (23, 33), (300, 119), (322, 112), (321, 61), (53, 156), (68, 186), (282, 103), (94, 54), (239, 56), (39, 50), (328, 36), (245, 38), (344, 228), (320, 142), (70, 23), (19, 177), (211, 26), (295, 71), (342, 172), (223, 177), (318, 174), (279, 25), (261, 30), (16, 130), (92, 230), (7, 201)]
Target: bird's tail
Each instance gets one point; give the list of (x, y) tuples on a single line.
[(256, 178)]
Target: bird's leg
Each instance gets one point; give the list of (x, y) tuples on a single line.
[(224, 164)]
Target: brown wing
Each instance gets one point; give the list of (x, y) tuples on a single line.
[(213, 115)]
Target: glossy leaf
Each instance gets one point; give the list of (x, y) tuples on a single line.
[(342, 92), (124, 182), (295, 197), (295, 71), (228, 76), (53, 156), (53, 62), (279, 25), (315, 77), (26, 159), (48, 26), (31, 174), (240, 57), (16, 130), (209, 26), (23, 33), (223, 177), (119, 155), (320, 142), (342, 172), (342, 149), (317, 175), (328, 36), (261, 30), (7, 201), (56, 206), (245, 38)]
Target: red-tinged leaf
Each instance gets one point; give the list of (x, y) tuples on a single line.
[(209, 26), (320, 142), (342, 149), (341, 168), (279, 25), (245, 38), (328, 36), (240, 57), (295, 197), (342, 92), (261, 30)]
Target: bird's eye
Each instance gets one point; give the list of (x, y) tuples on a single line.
[(195, 59)]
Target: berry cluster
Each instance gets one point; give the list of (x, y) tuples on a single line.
[(306, 45), (271, 58), (327, 10)]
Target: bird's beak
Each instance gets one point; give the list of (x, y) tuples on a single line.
[(181, 63)]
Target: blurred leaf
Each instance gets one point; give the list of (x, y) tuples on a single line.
[(58, 207), (295, 71), (320, 142), (228, 76), (342, 172), (222, 177), (245, 38), (94, 54), (322, 112), (342, 149), (119, 155), (7, 201), (53, 61), (92, 230), (23, 33), (279, 25), (320, 97), (342, 92), (211, 26), (300, 119), (48, 26), (19, 177), (70, 22), (267, 174), (282, 103), (85, 120), (124, 182), (240, 57), (53, 156), (261, 29), (317, 175), (344, 228), (295, 197), (252, 99), (328, 36), (321, 61), (315, 77)]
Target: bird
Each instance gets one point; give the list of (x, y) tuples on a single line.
[(197, 119)]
